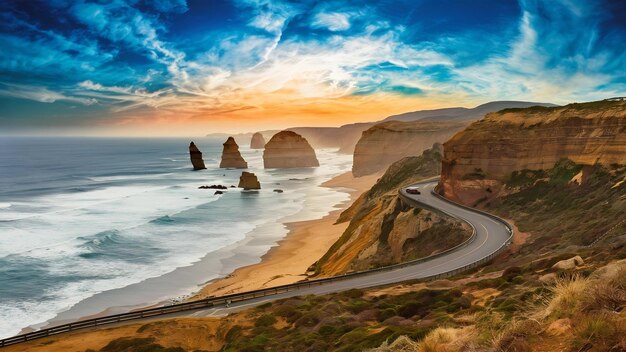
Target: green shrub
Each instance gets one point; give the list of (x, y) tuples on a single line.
[(265, 320)]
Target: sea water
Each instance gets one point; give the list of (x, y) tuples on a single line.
[(85, 218)]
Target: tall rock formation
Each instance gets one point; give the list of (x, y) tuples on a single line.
[(390, 141), (248, 180), (196, 157), (257, 141), (288, 149), (231, 158), (481, 158)]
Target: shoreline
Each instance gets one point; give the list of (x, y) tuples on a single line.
[(187, 283), (305, 243)]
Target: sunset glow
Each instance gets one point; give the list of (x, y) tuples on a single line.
[(191, 68)]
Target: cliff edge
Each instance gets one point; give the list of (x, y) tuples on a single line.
[(391, 141), (480, 159)]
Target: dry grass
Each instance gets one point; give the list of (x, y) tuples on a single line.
[(566, 297), (448, 340), (401, 344)]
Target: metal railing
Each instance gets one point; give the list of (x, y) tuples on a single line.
[(271, 291)]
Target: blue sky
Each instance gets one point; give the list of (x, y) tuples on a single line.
[(180, 67)]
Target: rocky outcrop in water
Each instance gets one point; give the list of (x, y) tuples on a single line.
[(257, 141), (480, 159), (288, 149), (391, 141), (196, 157), (231, 157), (248, 180)]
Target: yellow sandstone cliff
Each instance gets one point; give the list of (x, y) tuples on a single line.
[(479, 160)]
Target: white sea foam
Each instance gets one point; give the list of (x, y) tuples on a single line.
[(146, 226)]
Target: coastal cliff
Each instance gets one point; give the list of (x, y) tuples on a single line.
[(383, 230), (196, 157), (479, 160), (257, 141), (390, 141), (231, 157), (288, 149)]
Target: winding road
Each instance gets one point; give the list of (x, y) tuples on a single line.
[(491, 236)]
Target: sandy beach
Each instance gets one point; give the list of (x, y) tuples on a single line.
[(306, 242)]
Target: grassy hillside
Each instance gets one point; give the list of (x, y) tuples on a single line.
[(383, 230)]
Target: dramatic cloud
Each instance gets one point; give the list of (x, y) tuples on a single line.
[(282, 63)]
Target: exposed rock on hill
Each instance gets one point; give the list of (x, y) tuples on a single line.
[(231, 158), (481, 158), (248, 180), (257, 141), (383, 230), (196, 157), (390, 141), (288, 149)]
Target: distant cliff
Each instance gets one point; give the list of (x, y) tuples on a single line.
[(390, 141), (383, 230), (481, 158), (288, 149), (257, 141)]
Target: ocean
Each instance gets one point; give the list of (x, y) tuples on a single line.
[(94, 224)]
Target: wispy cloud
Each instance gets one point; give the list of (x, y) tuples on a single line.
[(40, 94), (332, 21), (291, 60)]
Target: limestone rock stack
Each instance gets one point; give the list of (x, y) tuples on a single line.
[(257, 141), (390, 141), (248, 180), (288, 149), (196, 157), (478, 160), (231, 157)]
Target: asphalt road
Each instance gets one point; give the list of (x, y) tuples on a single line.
[(490, 235)]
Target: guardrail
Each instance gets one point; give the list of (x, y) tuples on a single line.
[(238, 297)]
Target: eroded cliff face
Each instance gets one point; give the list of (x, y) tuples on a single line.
[(231, 157), (383, 230), (391, 141), (481, 158), (288, 149)]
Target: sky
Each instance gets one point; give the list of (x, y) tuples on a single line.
[(192, 67)]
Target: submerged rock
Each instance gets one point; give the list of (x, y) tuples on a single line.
[(213, 187), (257, 141), (196, 157), (218, 192), (288, 149), (248, 180), (231, 157), (278, 190)]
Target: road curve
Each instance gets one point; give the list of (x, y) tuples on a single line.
[(491, 236)]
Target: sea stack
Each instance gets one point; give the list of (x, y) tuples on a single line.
[(196, 157), (231, 158), (248, 180), (288, 149), (257, 141)]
